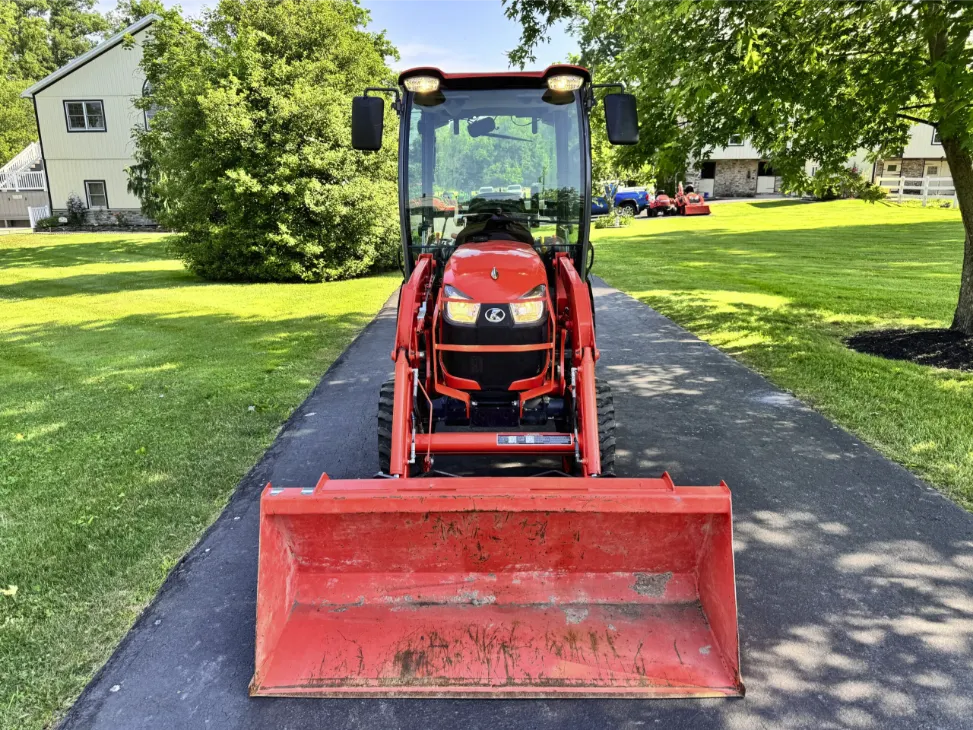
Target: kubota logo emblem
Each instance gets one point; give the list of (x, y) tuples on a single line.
[(495, 315)]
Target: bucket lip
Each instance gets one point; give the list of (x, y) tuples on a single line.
[(461, 494)]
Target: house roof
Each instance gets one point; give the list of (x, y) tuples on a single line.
[(75, 64)]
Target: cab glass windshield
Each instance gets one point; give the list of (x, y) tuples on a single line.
[(498, 156)]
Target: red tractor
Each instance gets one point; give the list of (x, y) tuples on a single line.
[(661, 204), (418, 582), (689, 202)]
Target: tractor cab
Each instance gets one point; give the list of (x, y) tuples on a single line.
[(495, 349)]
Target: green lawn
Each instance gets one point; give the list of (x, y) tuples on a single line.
[(779, 284), (133, 397)]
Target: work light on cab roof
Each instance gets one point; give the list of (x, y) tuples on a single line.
[(558, 581)]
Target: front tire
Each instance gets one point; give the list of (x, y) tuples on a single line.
[(386, 402), (606, 431), (606, 427)]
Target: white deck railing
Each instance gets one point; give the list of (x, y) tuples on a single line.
[(18, 181), (25, 159), (918, 188)]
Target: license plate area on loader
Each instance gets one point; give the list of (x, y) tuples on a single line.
[(480, 587)]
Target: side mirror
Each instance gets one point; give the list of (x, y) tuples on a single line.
[(621, 119), (367, 122), (481, 127)]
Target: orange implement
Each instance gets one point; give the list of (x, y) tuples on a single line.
[(529, 587), (696, 209)]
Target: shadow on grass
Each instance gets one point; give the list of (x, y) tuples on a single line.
[(64, 251), (769, 204), (106, 283)]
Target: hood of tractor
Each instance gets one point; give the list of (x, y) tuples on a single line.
[(495, 271)]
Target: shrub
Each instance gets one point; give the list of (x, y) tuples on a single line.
[(843, 182), (77, 210), (619, 218), (50, 222), (249, 154)]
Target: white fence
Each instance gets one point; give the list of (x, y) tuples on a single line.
[(18, 181), (918, 188), (37, 214)]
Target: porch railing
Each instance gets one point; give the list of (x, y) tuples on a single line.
[(18, 181)]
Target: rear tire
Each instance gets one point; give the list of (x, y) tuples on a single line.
[(630, 206)]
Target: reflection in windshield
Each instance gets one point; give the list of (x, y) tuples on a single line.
[(496, 158)]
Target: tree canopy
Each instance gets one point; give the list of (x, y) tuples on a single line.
[(249, 154), (802, 79)]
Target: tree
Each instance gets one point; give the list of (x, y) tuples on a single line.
[(249, 154), (36, 38), (128, 12), (803, 79)]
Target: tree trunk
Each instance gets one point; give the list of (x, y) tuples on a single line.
[(961, 167)]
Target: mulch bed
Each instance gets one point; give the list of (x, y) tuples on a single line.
[(940, 348)]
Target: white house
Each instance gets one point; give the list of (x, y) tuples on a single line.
[(85, 117), (923, 156), (735, 171)]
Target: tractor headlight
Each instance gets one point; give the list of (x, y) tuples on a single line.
[(530, 307), (460, 312), (421, 84), (564, 82)]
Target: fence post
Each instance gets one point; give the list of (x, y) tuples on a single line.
[(925, 190)]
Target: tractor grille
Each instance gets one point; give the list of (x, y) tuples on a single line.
[(494, 370)]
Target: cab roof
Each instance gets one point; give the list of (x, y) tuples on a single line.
[(497, 80)]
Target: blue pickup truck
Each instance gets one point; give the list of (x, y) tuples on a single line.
[(633, 199)]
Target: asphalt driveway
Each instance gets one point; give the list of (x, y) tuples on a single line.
[(854, 578)]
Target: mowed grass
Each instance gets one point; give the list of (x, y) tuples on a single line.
[(133, 397), (779, 284)]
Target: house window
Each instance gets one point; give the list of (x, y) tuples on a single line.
[(892, 167), (736, 140), (97, 193), (932, 171), (935, 137), (707, 170), (85, 116), (150, 112), (764, 169)]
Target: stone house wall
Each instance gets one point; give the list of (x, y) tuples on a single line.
[(735, 179), (112, 217)]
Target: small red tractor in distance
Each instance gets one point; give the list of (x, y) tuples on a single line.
[(567, 583), (661, 204), (689, 202)]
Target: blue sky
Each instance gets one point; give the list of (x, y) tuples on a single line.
[(456, 35)]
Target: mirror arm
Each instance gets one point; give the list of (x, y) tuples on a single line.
[(396, 105), (592, 87)]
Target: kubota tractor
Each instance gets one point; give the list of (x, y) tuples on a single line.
[(689, 202), (417, 582)]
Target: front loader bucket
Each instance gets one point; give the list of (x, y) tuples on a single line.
[(486, 587), (697, 209)]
